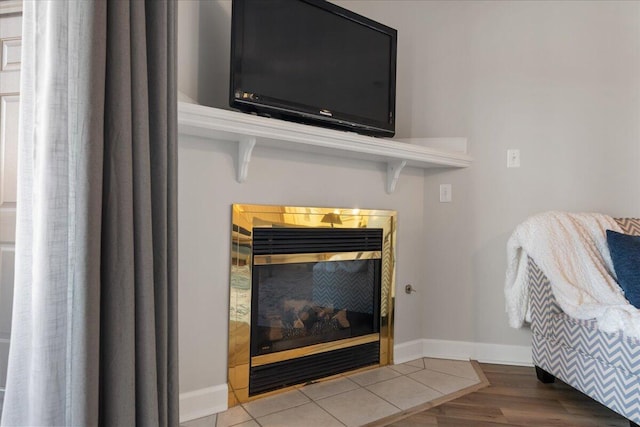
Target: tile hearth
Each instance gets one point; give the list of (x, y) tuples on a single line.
[(374, 397)]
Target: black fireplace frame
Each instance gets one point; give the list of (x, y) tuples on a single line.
[(287, 246)]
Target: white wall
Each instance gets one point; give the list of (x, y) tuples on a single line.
[(557, 80)]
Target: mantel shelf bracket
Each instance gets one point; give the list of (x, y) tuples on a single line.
[(245, 148), (394, 167)]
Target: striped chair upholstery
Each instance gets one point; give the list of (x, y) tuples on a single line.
[(604, 366)]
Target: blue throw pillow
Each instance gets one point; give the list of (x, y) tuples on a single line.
[(625, 254)]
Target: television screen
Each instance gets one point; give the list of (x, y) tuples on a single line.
[(312, 61)]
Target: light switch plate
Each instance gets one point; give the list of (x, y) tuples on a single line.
[(445, 193)]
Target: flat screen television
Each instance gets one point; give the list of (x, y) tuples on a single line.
[(313, 62)]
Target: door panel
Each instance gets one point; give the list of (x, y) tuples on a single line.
[(9, 110), (10, 54)]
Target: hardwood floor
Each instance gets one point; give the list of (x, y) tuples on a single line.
[(516, 398)]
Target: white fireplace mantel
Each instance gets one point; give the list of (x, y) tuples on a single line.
[(248, 130)]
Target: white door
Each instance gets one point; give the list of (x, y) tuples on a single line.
[(10, 43)]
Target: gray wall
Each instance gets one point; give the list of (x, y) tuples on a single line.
[(557, 80), (207, 190)]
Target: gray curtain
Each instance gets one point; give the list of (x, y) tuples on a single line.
[(94, 330)]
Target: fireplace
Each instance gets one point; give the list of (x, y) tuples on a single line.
[(311, 295)]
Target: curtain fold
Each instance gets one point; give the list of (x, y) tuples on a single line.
[(94, 331)]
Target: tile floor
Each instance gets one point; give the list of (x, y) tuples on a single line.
[(353, 399)]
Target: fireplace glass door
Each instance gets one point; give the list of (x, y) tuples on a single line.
[(298, 304), (315, 304)]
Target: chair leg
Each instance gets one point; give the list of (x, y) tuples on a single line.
[(544, 376)]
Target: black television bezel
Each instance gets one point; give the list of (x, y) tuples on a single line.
[(309, 114)]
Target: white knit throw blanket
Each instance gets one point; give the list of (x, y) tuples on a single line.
[(571, 250)]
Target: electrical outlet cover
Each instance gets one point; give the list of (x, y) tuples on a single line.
[(513, 158)]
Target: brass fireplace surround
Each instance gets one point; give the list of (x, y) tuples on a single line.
[(247, 217)]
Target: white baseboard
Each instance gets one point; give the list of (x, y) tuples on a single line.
[(462, 350), (211, 400), (204, 402), (408, 351), (503, 354)]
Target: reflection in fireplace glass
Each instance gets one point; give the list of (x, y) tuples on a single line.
[(308, 303)]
